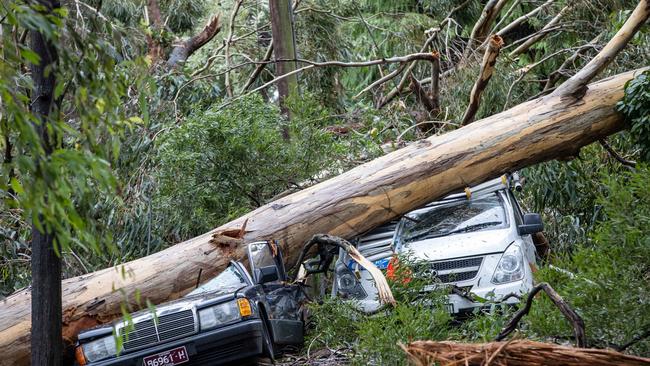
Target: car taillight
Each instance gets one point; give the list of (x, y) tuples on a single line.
[(79, 356)]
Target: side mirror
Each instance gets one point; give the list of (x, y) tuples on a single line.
[(266, 274), (532, 224)]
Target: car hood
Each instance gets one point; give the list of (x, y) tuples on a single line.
[(459, 245)]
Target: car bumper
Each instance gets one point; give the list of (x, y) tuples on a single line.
[(213, 347), (507, 293)]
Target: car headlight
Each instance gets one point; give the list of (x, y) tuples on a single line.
[(510, 267), (99, 349), (347, 283), (224, 313)]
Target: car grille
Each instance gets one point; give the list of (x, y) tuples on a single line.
[(168, 327), (377, 243), (456, 270)]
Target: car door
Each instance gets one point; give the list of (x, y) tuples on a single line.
[(282, 301), (528, 240)]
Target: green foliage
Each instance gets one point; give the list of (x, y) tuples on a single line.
[(375, 338), (610, 289), (240, 154), (59, 192), (636, 108)]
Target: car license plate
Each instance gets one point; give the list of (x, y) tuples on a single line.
[(172, 357)]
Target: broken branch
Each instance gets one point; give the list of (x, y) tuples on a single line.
[(185, 49), (539, 35), (573, 317), (487, 69)]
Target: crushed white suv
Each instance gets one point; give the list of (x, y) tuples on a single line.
[(477, 242)]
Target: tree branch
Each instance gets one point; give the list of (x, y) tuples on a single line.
[(577, 84), (186, 48), (573, 317), (539, 35), (434, 33), (487, 69), (615, 155)]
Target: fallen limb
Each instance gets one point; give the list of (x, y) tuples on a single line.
[(347, 205), (615, 155), (514, 353), (573, 317), (555, 75), (487, 69)]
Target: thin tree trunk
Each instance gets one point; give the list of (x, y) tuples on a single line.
[(284, 48), (46, 327)]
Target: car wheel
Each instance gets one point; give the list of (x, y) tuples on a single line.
[(268, 350)]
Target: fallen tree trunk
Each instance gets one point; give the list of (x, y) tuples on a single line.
[(518, 352), (540, 130)]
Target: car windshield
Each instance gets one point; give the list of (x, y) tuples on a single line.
[(228, 281), (464, 216)]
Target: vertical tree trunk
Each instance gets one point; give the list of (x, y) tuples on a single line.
[(46, 263), (283, 48)]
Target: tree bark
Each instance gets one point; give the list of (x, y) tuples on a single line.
[(347, 205), (281, 13), (46, 305), (514, 353), (482, 27), (487, 69)]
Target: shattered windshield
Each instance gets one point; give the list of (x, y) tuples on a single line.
[(228, 281), (463, 216)]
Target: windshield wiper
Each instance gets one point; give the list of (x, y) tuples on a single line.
[(474, 227)]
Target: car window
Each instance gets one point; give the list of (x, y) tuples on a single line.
[(462, 216), (260, 255), (227, 281)]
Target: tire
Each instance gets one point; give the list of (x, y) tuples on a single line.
[(268, 348)]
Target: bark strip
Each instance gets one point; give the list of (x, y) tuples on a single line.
[(514, 353)]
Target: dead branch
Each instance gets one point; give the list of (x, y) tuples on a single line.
[(432, 36), (539, 35), (421, 95), (505, 16), (231, 30), (186, 48), (573, 317), (381, 80), (576, 85), (487, 69), (434, 87), (258, 69), (615, 155), (514, 353), (555, 75), (482, 26), (635, 340), (312, 64), (515, 23)]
